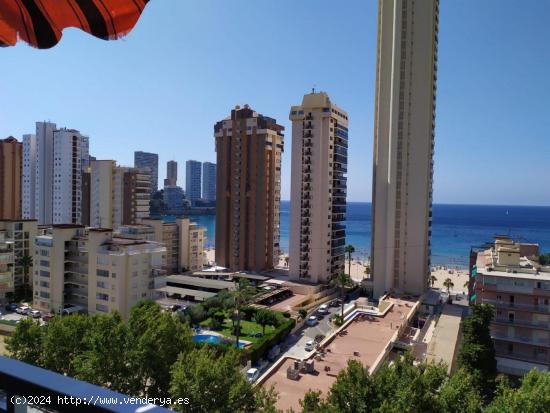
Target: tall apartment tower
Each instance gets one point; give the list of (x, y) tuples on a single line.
[(53, 163), (43, 179), (71, 158), (151, 161), (28, 206), (318, 189), (118, 195), (11, 157), (248, 190), (209, 181), (171, 173), (403, 145), (193, 181)]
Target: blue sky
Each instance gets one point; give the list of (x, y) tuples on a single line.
[(187, 63)]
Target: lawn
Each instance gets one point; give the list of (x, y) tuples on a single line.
[(248, 329)]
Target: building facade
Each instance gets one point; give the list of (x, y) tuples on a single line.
[(53, 163), (71, 159), (509, 277), (403, 145), (119, 195), (93, 270), (171, 173), (318, 189), (248, 190), (208, 181), (184, 241), (28, 178), (18, 236), (193, 181), (151, 161), (173, 198), (11, 164)]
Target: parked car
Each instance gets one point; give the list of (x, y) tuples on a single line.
[(311, 321), (11, 307), (323, 309), (319, 316), (23, 310), (47, 317), (252, 374), (72, 309), (35, 314), (174, 307), (310, 345), (335, 303)]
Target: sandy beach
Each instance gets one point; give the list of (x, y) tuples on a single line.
[(458, 276)]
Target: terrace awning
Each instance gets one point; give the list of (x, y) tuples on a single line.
[(41, 22)]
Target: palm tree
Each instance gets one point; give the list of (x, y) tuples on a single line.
[(433, 279), (342, 280), (242, 294), (449, 284), (350, 249), (286, 260), (25, 262)]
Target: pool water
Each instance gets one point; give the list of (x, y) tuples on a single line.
[(211, 339)]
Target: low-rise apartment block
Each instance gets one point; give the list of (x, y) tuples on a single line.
[(508, 276), (93, 269), (20, 233)]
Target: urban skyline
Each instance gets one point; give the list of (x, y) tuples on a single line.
[(463, 123)]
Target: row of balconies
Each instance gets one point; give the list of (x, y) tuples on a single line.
[(542, 325), (536, 341)]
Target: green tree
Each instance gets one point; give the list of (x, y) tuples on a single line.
[(242, 294), (26, 342), (195, 314), (265, 318), (350, 249), (314, 403), (25, 262), (433, 279), (156, 338), (63, 341), (341, 281), (477, 353), (302, 312), (353, 390), (544, 259), (448, 283), (533, 396), (459, 393), (211, 386), (104, 362)]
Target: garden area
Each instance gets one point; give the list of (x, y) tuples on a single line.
[(229, 315)]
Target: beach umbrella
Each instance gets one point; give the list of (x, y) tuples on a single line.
[(41, 22)]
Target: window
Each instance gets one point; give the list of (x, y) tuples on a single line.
[(45, 253), (101, 307), (101, 296), (44, 273), (102, 284), (102, 273), (44, 263), (44, 284), (44, 294)]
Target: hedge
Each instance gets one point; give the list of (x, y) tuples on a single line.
[(257, 350)]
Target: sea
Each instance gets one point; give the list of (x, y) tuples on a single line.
[(455, 228)]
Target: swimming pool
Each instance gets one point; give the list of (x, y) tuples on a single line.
[(212, 339)]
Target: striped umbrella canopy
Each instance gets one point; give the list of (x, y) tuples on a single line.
[(41, 22)]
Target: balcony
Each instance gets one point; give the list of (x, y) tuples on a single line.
[(21, 379), (541, 342), (308, 125), (527, 307), (542, 325)]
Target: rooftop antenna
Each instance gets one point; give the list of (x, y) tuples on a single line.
[(313, 89)]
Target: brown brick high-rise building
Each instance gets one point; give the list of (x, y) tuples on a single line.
[(10, 178), (248, 190)]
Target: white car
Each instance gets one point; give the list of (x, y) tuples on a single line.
[(35, 314), (312, 321), (23, 310), (310, 345), (252, 375), (323, 309)]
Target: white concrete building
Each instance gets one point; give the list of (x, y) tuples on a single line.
[(71, 158), (28, 182), (403, 145), (93, 269), (53, 163), (318, 189)]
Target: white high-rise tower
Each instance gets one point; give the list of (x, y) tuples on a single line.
[(318, 189), (403, 145)]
